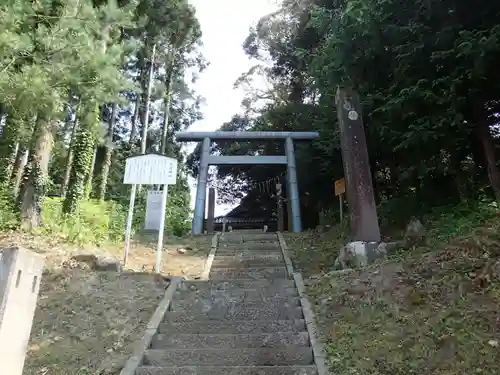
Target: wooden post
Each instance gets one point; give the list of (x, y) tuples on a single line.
[(281, 224), (360, 196), (211, 210)]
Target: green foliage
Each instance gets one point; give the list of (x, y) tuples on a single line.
[(427, 77), (60, 64), (460, 221), (177, 212), (94, 223), (9, 217), (83, 149)]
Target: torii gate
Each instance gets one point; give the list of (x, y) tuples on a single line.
[(206, 160)]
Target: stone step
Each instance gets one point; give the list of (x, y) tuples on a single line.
[(248, 294), (239, 261), (228, 370), (241, 288), (252, 255), (235, 326), (225, 298), (245, 284), (198, 341), (199, 304), (246, 252), (293, 355), (250, 246), (230, 252), (249, 273), (260, 240), (248, 237), (237, 313)]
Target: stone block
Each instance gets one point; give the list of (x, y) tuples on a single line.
[(20, 275), (359, 254)]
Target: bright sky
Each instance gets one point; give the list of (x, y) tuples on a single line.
[(225, 25)]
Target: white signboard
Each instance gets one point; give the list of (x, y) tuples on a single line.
[(150, 169), (153, 210)]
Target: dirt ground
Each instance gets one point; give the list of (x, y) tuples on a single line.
[(86, 321), (420, 312)]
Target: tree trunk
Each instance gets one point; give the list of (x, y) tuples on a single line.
[(2, 115), (90, 176), (108, 151), (9, 145), (35, 179), (83, 151), (167, 100), (69, 159), (135, 119), (145, 121), (484, 132), (165, 150), (19, 165)]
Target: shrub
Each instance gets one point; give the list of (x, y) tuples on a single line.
[(9, 218), (95, 222)]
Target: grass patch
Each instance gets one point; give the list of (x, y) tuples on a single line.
[(314, 252), (429, 311), (86, 322)]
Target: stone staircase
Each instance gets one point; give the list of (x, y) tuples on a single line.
[(247, 319)]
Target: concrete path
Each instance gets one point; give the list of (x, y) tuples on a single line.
[(247, 319)]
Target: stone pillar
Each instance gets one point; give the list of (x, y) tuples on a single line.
[(20, 274), (359, 186), (201, 189), (211, 210), (293, 189)]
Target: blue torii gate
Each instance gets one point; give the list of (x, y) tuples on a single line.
[(206, 160)]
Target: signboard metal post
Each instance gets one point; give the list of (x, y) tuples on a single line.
[(149, 169), (128, 229), (162, 226), (340, 191)]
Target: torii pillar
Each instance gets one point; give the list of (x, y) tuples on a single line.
[(201, 188)]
